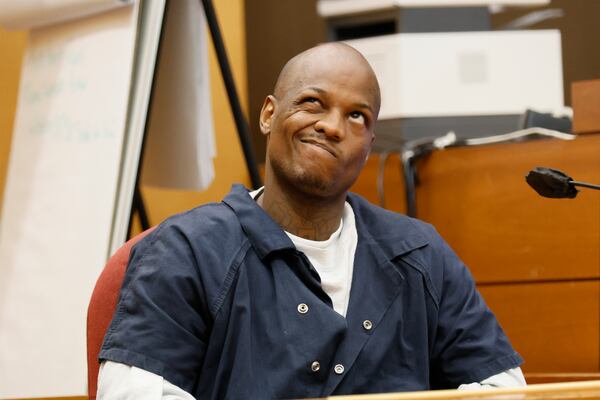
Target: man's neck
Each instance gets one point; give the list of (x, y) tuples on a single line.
[(308, 217)]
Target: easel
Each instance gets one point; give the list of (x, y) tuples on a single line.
[(240, 120)]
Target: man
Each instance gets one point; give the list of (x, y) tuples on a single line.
[(301, 289)]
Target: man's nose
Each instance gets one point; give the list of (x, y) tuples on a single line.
[(331, 125)]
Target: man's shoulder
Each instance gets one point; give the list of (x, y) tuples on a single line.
[(383, 222), (213, 217), (201, 245), (202, 230), (417, 242)]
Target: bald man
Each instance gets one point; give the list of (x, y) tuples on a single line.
[(302, 289)]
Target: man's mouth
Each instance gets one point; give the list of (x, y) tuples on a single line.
[(319, 144)]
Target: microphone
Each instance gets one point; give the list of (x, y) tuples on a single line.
[(555, 184)]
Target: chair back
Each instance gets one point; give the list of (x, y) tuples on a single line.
[(102, 307)]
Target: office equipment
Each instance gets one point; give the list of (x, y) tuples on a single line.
[(352, 19), (462, 81), (338, 8), (536, 119), (466, 73)]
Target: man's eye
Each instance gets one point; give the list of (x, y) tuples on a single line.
[(358, 116), (310, 100)]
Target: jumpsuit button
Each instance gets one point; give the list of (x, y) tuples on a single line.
[(302, 308), (367, 324), (315, 366), (339, 369)]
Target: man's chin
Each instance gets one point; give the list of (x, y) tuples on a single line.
[(317, 186), (308, 182)]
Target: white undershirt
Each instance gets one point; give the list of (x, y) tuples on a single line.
[(118, 381), (334, 261)]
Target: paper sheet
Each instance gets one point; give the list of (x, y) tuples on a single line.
[(149, 33), (180, 145), (59, 198), (27, 14)]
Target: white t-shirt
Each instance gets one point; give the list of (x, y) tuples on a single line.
[(334, 259)]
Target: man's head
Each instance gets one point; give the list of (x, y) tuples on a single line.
[(320, 120)]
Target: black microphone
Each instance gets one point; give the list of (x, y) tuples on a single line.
[(555, 184)]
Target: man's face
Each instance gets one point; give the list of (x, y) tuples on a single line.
[(320, 129)]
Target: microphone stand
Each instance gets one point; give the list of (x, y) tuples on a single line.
[(585, 185)]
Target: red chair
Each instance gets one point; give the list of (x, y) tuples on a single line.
[(102, 306)]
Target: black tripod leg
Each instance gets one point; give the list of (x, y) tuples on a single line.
[(240, 121), (140, 208)]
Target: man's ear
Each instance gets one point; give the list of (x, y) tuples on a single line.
[(266, 114)]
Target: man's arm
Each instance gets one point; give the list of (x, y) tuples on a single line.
[(120, 381), (510, 378), (469, 344), (162, 321)]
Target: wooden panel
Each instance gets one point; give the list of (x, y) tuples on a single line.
[(554, 326), (478, 199), (586, 106), (393, 183)]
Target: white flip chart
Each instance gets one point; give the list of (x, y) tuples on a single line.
[(60, 196), (83, 105)]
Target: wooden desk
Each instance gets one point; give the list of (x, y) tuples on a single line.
[(536, 261), (571, 390), (557, 391), (482, 191)]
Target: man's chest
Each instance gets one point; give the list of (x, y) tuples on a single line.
[(278, 333)]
